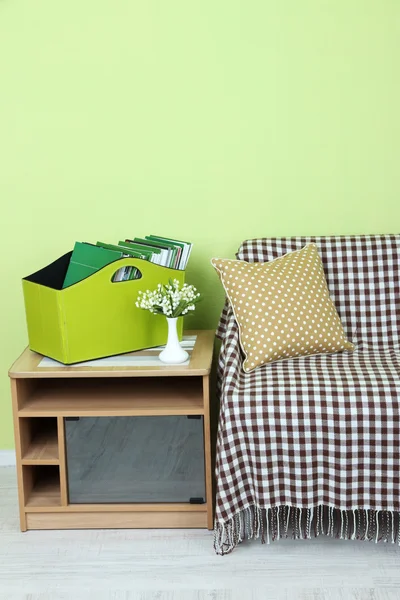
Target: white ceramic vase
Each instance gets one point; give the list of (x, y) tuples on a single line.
[(173, 353)]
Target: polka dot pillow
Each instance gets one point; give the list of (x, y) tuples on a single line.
[(283, 307)]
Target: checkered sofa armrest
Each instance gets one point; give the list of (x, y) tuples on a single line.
[(229, 370), (226, 315)]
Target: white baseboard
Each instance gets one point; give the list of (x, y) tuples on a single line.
[(7, 458)]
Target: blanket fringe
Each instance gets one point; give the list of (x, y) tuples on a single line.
[(283, 521)]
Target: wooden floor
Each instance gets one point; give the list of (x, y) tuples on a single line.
[(181, 565)]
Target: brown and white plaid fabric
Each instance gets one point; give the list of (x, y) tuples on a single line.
[(314, 442)]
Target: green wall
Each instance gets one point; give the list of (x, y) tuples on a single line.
[(211, 120)]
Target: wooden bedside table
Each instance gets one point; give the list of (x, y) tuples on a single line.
[(90, 439)]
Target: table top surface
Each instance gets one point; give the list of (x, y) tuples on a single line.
[(28, 365)]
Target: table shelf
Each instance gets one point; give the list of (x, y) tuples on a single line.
[(101, 397), (45, 489), (43, 449), (39, 441)]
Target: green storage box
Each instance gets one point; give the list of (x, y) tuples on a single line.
[(95, 317)]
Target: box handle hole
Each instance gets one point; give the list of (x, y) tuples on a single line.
[(125, 274)]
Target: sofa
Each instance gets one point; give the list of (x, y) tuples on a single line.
[(311, 446)]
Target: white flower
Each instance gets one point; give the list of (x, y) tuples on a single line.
[(169, 300)]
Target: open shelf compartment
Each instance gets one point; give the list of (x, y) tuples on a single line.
[(42, 486), (115, 397), (39, 441)]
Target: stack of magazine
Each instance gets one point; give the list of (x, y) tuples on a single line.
[(87, 258)]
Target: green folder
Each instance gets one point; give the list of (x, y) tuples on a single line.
[(155, 248), (147, 254), (145, 250), (86, 259), (185, 247), (174, 250), (120, 249)]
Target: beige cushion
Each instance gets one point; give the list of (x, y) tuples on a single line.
[(283, 307)]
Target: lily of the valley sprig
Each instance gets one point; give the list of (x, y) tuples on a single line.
[(170, 300)]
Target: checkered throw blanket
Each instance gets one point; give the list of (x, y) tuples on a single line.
[(312, 445)]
